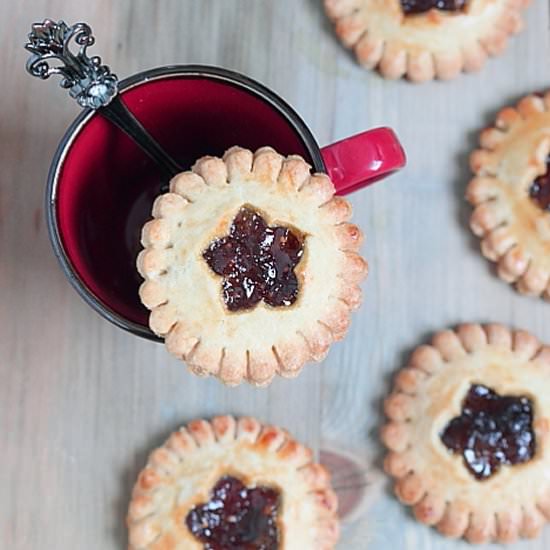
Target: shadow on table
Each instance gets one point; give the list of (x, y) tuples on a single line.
[(317, 7), (25, 158), (327, 28)]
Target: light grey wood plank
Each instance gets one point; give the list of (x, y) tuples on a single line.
[(81, 402), (426, 269)]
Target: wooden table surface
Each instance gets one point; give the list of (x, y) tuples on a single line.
[(82, 402)]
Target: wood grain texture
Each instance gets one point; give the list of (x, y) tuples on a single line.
[(81, 402)]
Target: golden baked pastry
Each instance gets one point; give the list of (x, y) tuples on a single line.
[(511, 194), (251, 267), (425, 39), (232, 484), (469, 434)]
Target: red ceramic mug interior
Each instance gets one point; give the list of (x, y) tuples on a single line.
[(101, 185)]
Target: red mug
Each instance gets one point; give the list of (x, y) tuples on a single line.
[(101, 185)]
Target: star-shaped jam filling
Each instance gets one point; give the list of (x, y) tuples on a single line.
[(421, 6), (491, 431), (540, 190), (256, 262), (237, 517)]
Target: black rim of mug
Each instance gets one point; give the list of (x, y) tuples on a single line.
[(201, 71)]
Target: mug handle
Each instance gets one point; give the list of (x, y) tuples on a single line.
[(363, 159)]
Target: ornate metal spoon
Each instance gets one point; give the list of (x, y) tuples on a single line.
[(92, 84)]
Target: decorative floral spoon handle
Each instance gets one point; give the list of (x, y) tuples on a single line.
[(89, 82)]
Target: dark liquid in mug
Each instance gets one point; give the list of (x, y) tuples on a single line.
[(107, 186)]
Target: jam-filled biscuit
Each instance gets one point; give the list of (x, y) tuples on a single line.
[(425, 39), (251, 266), (511, 194), (232, 484), (469, 434)]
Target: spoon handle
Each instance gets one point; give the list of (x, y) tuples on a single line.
[(117, 112), (92, 84)]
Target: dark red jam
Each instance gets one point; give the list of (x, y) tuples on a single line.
[(421, 6), (237, 517), (540, 190), (491, 431), (256, 262)]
